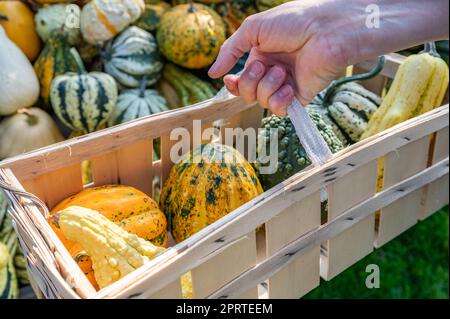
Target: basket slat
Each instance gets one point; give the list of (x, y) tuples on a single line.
[(357, 242), (398, 165), (135, 165), (436, 194), (225, 266), (62, 183), (441, 147), (302, 275), (105, 170), (171, 291)]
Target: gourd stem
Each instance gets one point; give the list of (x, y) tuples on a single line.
[(358, 77), (143, 86), (3, 17), (191, 7), (430, 48), (78, 61), (31, 118)]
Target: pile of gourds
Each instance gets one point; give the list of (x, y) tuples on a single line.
[(69, 68)]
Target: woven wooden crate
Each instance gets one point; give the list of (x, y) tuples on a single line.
[(228, 259)]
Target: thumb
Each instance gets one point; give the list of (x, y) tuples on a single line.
[(242, 41)]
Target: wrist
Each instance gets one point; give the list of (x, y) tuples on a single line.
[(413, 22)]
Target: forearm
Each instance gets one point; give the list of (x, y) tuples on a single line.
[(402, 24)]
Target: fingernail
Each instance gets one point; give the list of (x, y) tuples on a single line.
[(275, 74), (256, 69), (285, 91), (213, 69)]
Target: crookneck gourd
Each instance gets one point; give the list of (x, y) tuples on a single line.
[(191, 35), (114, 252), (83, 101), (129, 208), (205, 185), (132, 56), (347, 106), (419, 86)]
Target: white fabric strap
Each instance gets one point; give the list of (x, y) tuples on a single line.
[(315, 146)]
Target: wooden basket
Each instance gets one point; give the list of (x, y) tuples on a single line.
[(228, 259)]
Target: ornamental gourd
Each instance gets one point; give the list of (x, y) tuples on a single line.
[(205, 185), (18, 22), (291, 157), (19, 85), (27, 130), (191, 35), (126, 206), (114, 251), (150, 19), (347, 106), (8, 282), (101, 20), (135, 103), (55, 59), (189, 88), (418, 87), (83, 101), (133, 55), (53, 19)]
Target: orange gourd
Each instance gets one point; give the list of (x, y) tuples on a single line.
[(18, 22), (126, 206)]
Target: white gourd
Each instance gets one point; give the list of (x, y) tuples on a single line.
[(101, 20), (28, 129), (19, 85)]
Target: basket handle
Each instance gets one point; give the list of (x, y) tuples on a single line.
[(33, 198)]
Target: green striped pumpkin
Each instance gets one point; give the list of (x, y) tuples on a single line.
[(131, 56), (136, 103), (8, 282), (8, 243), (83, 101)]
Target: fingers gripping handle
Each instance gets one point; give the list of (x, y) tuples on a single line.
[(307, 132)]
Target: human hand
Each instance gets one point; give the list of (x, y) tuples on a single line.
[(298, 48)]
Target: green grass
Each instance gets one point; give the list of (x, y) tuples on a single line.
[(414, 265)]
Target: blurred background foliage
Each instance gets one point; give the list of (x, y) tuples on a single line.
[(413, 265)]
